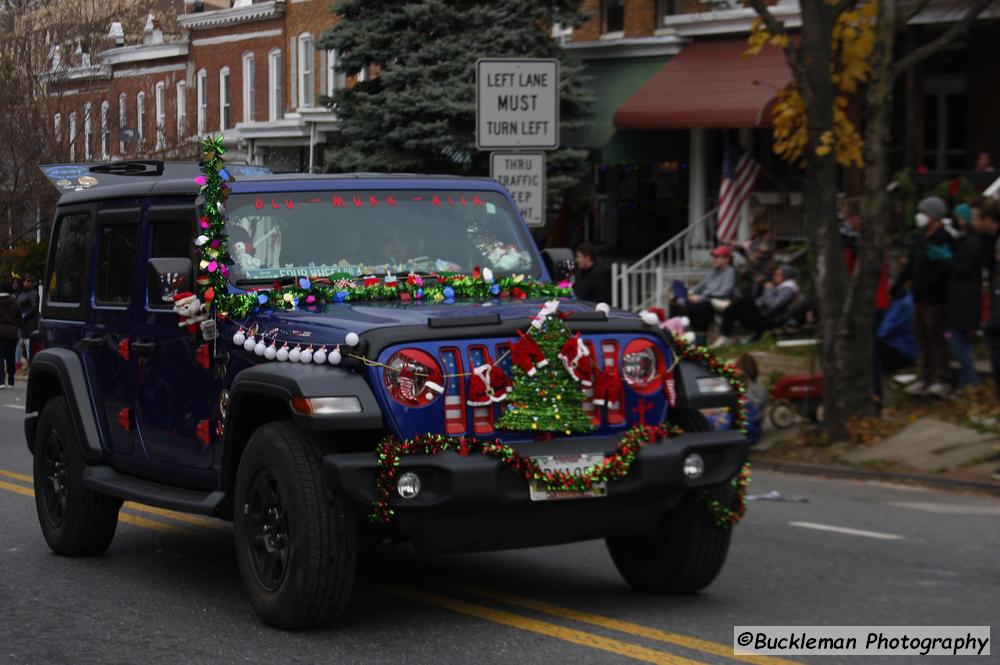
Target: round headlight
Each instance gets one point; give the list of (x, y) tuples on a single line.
[(412, 377), (642, 366)]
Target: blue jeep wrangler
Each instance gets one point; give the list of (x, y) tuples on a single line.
[(321, 426)]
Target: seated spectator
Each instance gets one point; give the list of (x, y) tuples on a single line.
[(759, 314), (756, 397), (695, 303)]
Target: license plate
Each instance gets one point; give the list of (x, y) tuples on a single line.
[(574, 464)]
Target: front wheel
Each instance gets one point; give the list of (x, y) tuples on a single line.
[(682, 554), (296, 542)]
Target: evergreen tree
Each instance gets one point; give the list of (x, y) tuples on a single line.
[(417, 112), (551, 400)]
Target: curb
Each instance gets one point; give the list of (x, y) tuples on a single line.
[(868, 474)]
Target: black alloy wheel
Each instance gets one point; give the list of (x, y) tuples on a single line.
[(267, 530), (54, 492)]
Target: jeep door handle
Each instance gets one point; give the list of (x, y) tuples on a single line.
[(144, 348), (94, 343)]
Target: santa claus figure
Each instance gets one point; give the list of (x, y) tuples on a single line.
[(576, 358), (489, 384), (190, 309), (527, 355), (608, 389)]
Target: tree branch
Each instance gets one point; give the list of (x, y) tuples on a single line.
[(956, 30), (905, 17), (776, 27)]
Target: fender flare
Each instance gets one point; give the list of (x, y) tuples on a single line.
[(279, 382), (66, 368)]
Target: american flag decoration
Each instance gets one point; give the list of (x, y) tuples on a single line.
[(739, 174)]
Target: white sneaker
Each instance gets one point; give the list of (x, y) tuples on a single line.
[(2, 386), (918, 387), (939, 390), (720, 342)]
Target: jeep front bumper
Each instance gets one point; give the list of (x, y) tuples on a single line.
[(476, 503)]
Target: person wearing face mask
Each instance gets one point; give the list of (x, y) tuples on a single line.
[(929, 272)]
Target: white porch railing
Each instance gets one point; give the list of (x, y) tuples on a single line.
[(683, 257)]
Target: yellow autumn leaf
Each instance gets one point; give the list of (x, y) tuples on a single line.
[(822, 150)]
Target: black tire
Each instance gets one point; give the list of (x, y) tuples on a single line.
[(296, 542), (685, 551), (683, 554), (75, 521)]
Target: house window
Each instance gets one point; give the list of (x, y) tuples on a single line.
[(57, 127), (944, 127), (105, 131), (293, 72), (140, 115), (364, 74), (72, 136), (122, 120), (88, 131), (249, 94), (274, 101), (161, 114), (202, 101), (613, 17), (223, 99), (181, 110), (307, 61), (665, 8), (334, 80)]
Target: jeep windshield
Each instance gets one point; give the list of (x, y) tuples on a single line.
[(371, 232)]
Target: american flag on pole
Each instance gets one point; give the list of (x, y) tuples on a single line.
[(739, 173)]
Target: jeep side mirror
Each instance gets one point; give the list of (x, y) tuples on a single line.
[(560, 263), (166, 277)]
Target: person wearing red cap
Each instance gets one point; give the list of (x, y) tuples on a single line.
[(719, 284)]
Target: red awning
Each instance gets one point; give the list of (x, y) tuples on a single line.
[(709, 84)]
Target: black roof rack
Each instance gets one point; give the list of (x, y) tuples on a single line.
[(131, 167)]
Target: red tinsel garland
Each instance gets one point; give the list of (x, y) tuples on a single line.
[(727, 371)]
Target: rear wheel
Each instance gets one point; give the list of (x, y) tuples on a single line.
[(296, 542), (75, 521), (782, 414), (685, 551)]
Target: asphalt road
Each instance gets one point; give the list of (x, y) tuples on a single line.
[(168, 589)]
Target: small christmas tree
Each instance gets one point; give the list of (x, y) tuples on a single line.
[(545, 398)]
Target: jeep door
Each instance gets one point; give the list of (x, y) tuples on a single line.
[(174, 393)]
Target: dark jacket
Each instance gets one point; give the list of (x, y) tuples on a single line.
[(929, 268), (10, 316), (965, 287), (27, 302), (593, 284)]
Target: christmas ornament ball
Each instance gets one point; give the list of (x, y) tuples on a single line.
[(306, 356), (239, 338), (282, 354), (249, 343), (352, 339), (319, 357), (334, 358)]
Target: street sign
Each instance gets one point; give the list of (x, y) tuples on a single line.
[(523, 174), (517, 103)]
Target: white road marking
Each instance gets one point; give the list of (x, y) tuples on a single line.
[(850, 532), (948, 508), (14, 406)]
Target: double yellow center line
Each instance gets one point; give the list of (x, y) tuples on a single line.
[(149, 517)]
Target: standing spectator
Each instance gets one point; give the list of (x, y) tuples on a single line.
[(965, 291), (719, 284), (756, 397), (928, 270), (988, 218), (10, 322), (758, 254), (592, 281), (983, 163), (27, 302), (759, 314)]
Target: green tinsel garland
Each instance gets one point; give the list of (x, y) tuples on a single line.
[(390, 450), (727, 371), (724, 516)]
